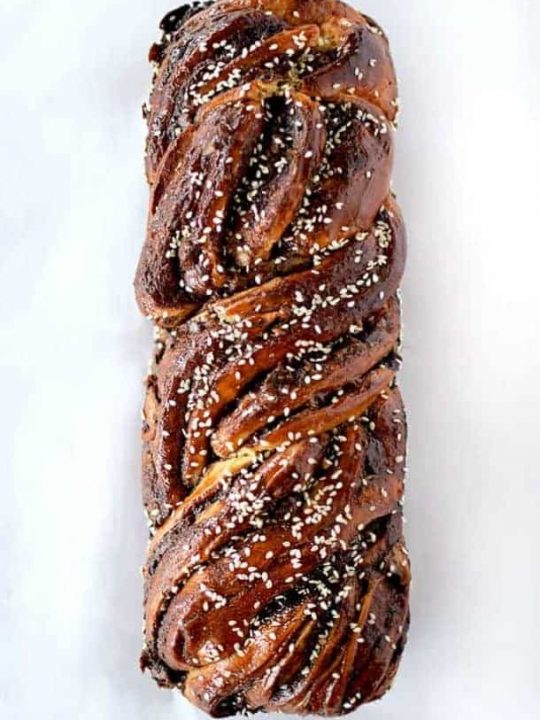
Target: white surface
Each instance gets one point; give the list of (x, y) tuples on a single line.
[(73, 352)]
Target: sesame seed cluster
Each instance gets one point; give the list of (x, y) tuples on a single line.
[(274, 433)]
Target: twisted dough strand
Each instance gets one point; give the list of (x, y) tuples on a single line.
[(274, 433)]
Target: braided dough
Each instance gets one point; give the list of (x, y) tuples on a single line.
[(274, 432)]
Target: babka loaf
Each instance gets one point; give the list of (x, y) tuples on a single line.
[(274, 434)]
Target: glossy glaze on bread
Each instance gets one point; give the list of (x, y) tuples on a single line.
[(274, 433)]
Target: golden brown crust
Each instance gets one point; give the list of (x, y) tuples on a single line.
[(274, 433)]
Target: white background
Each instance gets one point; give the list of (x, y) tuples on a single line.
[(74, 350)]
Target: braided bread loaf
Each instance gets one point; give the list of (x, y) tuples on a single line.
[(274, 433)]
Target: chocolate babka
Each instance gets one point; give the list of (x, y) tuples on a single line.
[(274, 433)]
